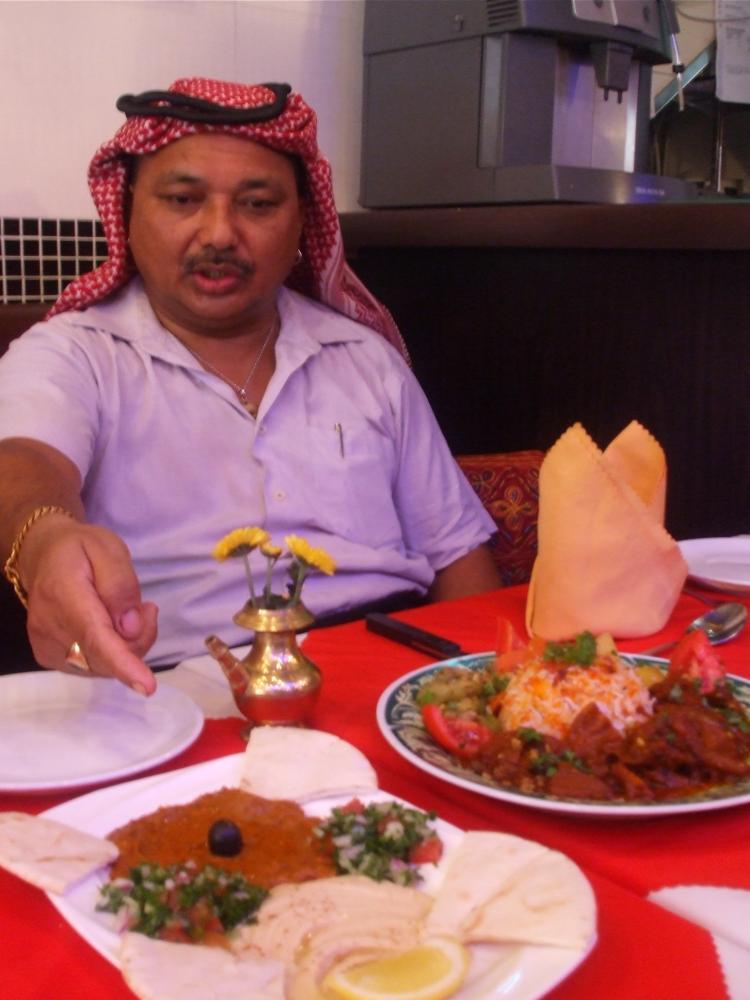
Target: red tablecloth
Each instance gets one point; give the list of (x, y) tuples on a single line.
[(643, 950)]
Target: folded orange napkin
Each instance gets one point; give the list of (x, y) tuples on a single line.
[(605, 561)]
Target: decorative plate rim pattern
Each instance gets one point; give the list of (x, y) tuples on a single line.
[(400, 723)]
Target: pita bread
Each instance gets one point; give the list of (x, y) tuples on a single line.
[(49, 854), (476, 871), (501, 889), (162, 970), (282, 762), (549, 903)]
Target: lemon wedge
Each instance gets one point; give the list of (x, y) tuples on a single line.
[(431, 971)]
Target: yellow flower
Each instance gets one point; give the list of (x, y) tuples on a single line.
[(316, 558), (239, 542), (270, 550)]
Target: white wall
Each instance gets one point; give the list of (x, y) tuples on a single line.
[(63, 63)]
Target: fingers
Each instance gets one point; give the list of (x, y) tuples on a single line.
[(103, 653), (138, 628), (109, 655), (85, 589), (111, 572)]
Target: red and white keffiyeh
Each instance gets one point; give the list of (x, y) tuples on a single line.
[(322, 274)]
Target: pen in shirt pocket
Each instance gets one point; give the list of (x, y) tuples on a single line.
[(340, 431)]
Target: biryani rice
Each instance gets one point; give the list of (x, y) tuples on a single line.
[(546, 698)]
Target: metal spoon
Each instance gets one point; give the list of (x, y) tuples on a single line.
[(720, 624)]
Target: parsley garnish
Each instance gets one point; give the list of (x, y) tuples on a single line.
[(426, 697), (546, 763), (581, 651), (377, 840), (495, 684), (529, 736), (578, 763), (181, 897), (736, 719)]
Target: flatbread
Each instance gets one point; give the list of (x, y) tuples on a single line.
[(549, 903), (502, 889), (282, 762), (48, 854), (477, 870), (162, 970)]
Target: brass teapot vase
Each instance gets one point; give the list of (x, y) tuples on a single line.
[(275, 683)]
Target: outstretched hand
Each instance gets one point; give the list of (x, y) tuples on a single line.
[(82, 588)]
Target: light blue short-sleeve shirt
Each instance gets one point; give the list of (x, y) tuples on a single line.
[(345, 451)]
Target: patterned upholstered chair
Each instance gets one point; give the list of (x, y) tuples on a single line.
[(507, 483)]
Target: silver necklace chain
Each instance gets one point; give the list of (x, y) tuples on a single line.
[(241, 390)]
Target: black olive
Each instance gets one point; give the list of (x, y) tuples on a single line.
[(225, 838)]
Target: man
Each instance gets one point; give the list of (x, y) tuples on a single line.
[(184, 389)]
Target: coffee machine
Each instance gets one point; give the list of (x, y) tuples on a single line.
[(470, 102)]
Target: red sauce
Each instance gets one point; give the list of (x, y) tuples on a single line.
[(279, 843)]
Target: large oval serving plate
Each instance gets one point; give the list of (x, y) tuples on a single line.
[(400, 722), (60, 732), (511, 972)]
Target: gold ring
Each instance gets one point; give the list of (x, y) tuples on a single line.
[(75, 658)]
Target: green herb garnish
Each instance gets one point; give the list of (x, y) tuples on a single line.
[(378, 840), (182, 899), (736, 719), (578, 763), (546, 763), (495, 684), (580, 652), (426, 697), (529, 736)]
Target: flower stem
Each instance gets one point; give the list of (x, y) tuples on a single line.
[(299, 580), (251, 585), (270, 563)]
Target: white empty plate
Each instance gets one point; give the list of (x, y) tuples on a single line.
[(723, 563), (58, 731)]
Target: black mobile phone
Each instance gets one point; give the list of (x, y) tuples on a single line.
[(408, 635)]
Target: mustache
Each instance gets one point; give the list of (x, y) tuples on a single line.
[(217, 258)]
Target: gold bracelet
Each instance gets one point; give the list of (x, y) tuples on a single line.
[(11, 568)]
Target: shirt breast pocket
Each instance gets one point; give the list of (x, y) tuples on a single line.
[(351, 471)]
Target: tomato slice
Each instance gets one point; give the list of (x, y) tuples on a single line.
[(507, 638), (506, 662), (427, 851), (694, 656), (353, 806), (462, 737)]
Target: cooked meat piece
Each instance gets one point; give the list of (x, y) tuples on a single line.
[(593, 738), (569, 782), (633, 786), (709, 738)]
